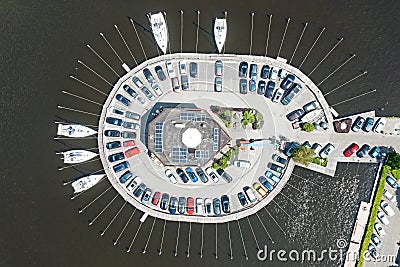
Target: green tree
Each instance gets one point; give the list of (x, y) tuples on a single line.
[(393, 160), (303, 155), (308, 127)]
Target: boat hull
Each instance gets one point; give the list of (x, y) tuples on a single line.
[(77, 156), (86, 182), (220, 30), (74, 130), (160, 30)]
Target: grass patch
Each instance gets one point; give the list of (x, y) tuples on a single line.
[(320, 161), (396, 174), (374, 211)]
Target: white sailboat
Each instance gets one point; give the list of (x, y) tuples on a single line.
[(74, 130), (220, 29), (77, 156), (86, 182), (160, 30)]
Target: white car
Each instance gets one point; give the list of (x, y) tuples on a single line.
[(182, 67), (379, 125), (157, 89), (170, 69), (212, 173), (249, 193), (199, 205), (379, 229), (311, 106), (389, 196), (381, 216), (273, 74), (137, 82), (317, 148), (282, 73), (278, 95), (133, 183), (328, 149), (170, 176), (386, 208), (242, 163)]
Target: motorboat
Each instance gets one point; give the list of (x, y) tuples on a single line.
[(84, 183), (77, 156), (74, 130), (160, 30), (220, 29), (312, 115)]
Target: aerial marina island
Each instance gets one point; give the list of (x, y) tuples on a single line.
[(214, 138)]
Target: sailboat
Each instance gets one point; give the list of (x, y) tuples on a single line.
[(220, 29), (74, 130), (77, 156), (84, 183), (160, 31)]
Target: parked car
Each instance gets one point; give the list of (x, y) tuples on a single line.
[(115, 157), (218, 68), (279, 159), (358, 123), (242, 163), (130, 135), (307, 144), (282, 73), (270, 89), (328, 149), (243, 69), (112, 133), (123, 99), (278, 95), (369, 123), (225, 204), (242, 199), (173, 205), (287, 82), (224, 175), (351, 150), (114, 121), (249, 193), (392, 182), (146, 196), (208, 206), (132, 152), (190, 205), (133, 183), (132, 115), (131, 125), (363, 150), (182, 67), (372, 251), (182, 175), (201, 175), (276, 168), (164, 201), (295, 115), (379, 125), (121, 166), (175, 85), (160, 73), (156, 89), (113, 145), (259, 189), (117, 111), (211, 172), (217, 206), (139, 190), (199, 206), (387, 209), (185, 82), (289, 150), (130, 91), (376, 241), (270, 175), (218, 84), (148, 94), (273, 74), (243, 86), (156, 198), (193, 69), (295, 90), (389, 196), (191, 174), (181, 205), (137, 82), (375, 152), (252, 85), (379, 229), (148, 75), (170, 69), (253, 71), (381, 216), (125, 177), (267, 184), (170, 176), (128, 143), (265, 72), (317, 148), (311, 106), (261, 87)]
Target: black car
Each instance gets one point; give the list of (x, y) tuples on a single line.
[(287, 82), (130, 91), (265, 72), (295, 89), (112, 133), (224, 175), (369, 122), (114, 121), (164, 201), (148, 75), (114, 144), (279, 159), (242, 198), (289, 150), (243, 86), (183, 175), (139, 190), (243, 66), (193, 69), (225, 204), (261, 87), (363, 151), (185, 82), (201, 175), (160, 73), (123, 99), (270, 89), (276, 168), (115, 157)]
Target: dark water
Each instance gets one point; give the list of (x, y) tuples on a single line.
[(41, 42)]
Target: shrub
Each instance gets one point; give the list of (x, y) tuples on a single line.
[(393, 160), (303, 155), (308, 127)]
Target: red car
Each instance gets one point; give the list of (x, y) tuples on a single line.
[(129, 143), (351, 150), (156, 198), (190, 205), (132, 152)]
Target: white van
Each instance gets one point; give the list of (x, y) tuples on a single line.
[(242, 163)]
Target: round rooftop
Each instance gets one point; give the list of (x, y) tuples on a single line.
[(191, 138)]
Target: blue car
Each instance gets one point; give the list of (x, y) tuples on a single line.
[(115, 157), (252, 85), (112, 133), (288, 151), (265, 183), (369, 122), (375, 152), (392, 182), (114, 144), (287, 82), (125, 177), (253, 71), (114, 121), (191, 174), (243, 69), (272, 176), (121, 166), (261, 87), (123, 99), (265, 72), (130, 91), (270, 89), (242, 199), (217, 206), (295, 89), (173, 203)]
